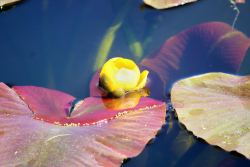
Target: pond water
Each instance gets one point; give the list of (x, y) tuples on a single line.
[(54, 44)]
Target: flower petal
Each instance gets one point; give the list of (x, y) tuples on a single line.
[(25, 141), (143, 80), (119, 73), (216, 107), (208, 47)]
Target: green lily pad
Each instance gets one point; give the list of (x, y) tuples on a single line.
[(216, 108)]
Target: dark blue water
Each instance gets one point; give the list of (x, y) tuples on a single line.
[(54, 43)]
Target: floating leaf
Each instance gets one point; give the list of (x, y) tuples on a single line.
[(4, 3), (216, 107), (207, 47), (163, 4), (95, 135)]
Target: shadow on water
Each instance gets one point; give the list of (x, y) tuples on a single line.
[(244, 69)]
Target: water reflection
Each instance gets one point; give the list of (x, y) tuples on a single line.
[(130, 100)]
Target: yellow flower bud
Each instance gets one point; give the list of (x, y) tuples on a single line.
[(119, 76)]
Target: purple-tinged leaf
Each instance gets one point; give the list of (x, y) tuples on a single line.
[(207, 47), (48, 105), (54, 106), (26, 141)]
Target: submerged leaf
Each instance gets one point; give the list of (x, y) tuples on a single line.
[(109, 37), (207, 47), (105, 136), (106, 45), (163, 4), (135, 45), (216, 107)]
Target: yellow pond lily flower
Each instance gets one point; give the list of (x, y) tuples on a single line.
[(119, 76)]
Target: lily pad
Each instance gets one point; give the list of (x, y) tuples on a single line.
[(209, 47), (164, 4), (36, 130), (5, 3), (216, 108)]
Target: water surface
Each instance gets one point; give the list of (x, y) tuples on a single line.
[(54, 44)]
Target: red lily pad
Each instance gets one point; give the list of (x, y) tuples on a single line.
[(216, 108), (208, 47), (26, 141), (53, 106), (48, 105)]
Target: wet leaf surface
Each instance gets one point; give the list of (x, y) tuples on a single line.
[(216, 108), (26, 141)]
